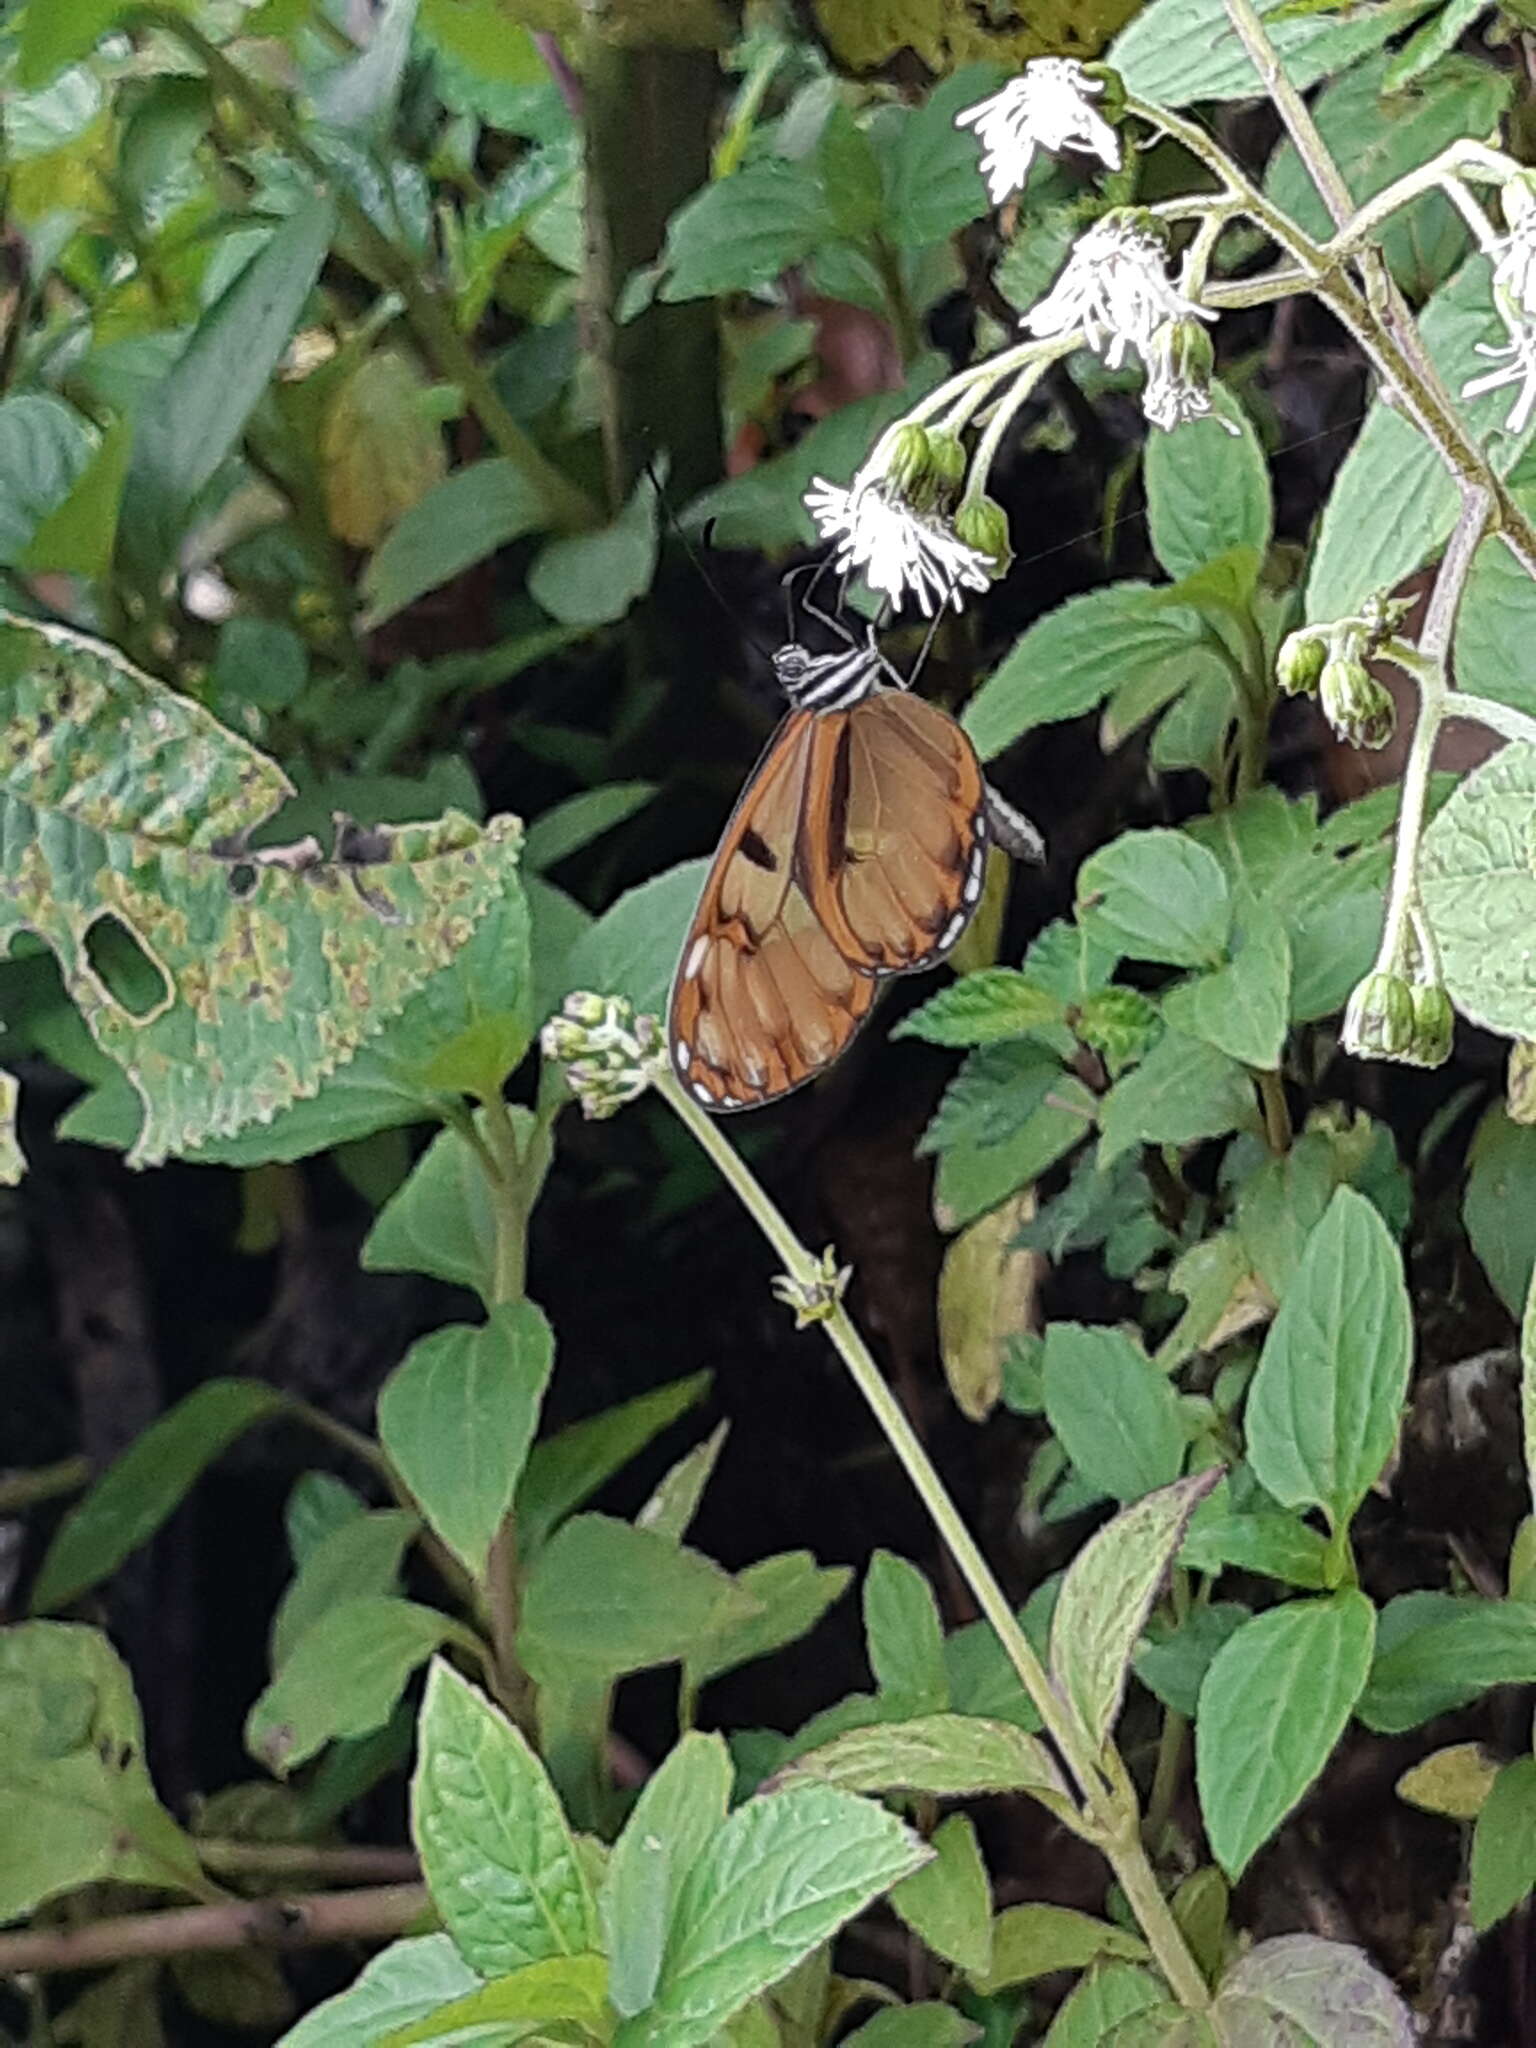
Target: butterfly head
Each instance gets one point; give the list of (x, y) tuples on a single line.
[(827, 682)]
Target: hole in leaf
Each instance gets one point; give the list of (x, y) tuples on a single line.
[(133, 980)]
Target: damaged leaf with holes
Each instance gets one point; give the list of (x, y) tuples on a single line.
[(226, 983)]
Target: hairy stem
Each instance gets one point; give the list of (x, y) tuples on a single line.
[(1109, 1804)]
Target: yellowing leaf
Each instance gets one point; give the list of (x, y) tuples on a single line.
[(1454, 1781), (986, 1296), (381, 450)]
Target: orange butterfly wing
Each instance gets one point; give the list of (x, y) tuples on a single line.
[(856, 850)]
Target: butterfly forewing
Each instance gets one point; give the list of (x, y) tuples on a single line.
[(856, 851)]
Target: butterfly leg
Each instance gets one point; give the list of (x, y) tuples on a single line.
[(1011, 830)]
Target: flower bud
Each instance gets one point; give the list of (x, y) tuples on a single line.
[(947, 462), (983, 524), (1359, 709), (1300, 663), (910, 459), (608, 1053), (1111, 96), (1434, 1026), (1378, 1022)]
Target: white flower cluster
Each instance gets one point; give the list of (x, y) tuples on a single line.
[(1049, 106), (1514, 295), (609, 1054), (1115, 286), (900, 551)]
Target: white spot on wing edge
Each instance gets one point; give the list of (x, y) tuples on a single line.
[(703, 1094), (695, 958), (682, 1052), (952, 931)]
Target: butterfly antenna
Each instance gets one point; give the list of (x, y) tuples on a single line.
[(816, 570), (704, 576)]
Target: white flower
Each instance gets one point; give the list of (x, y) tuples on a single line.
[(609, 1054), (1048, 106), (1116, 287), (1514, 270), (1178, 386), (1518, 357), (899, 552)]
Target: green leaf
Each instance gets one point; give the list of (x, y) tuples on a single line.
[(1172, 1662), (1106, 1596), (904, 1635), (1431, 41), (1497, 616), (252, 979), (779, 1878), (790, 1592), (458, 523), (1310, 1993), (612, 1598), (1325, 1403), (1182, 1091), (591, 579), (1393, 503), (932, 187), (1037, 1940), (559, 1988), (1207, 489), (1375, 138), (194, 416), (675, 1499), (440, 1221), (76, 1803), (1180, 51), (633, 948), (739, 233), (1274, 1703), (1280, 1204), (343, 1678), (135, 1495), (44, 451), (495, 1850), (1442, 1652), (259, 663), (55, 35), (458, 1416), (566, 828), (409, 1980), (1504, 1845), (1156, 895), (678, 1811), (979, 1169), (1115, 1412), (359, 1557), (1279, 1546), (948, 1903), (849, 171), (1108, 1993), (982, 1009), (1070, 660), (569, 1467), (1499, 1206), (915, 2026), (1479, 892), (1243, 1010), (940, 1756)]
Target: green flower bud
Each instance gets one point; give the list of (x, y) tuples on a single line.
[(910, 458), (947, 462), (1378, 1023), (1434, 1026), (1520, 1082), (1359, 709), (1111, 101), (983, 524), (1120, 1023), (1300, 663)]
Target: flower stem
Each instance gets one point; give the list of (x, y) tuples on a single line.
[(1111, 1816)]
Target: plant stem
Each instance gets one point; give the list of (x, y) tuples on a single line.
[(1113, 1822), (361, 1865), (1292, 109), (307, 1922), (1277, 1114), (25, 1490), (507, 1202)]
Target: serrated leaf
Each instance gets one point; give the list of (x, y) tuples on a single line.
[(1243, 1009), (261, 977), (1479, 892), (76, 1803), (1115, 1412), (570, 1466), (1106, 1596), (982, 1009), (343, 1677), (1441, 1653), (1178, 51), (1393, 502), (1280, 1546), (135, 1495), (360, 1556), (904, 1635), (1070, 660), (1324, 1407), (610, 1598), (559, 1988), (781, 1876), (460, 521), (739, 233), (406, 1982), (941, 1756), (1207, 489), (1183, 1090), (790, 1593), (1037, 1940), (497, 1855), (1310, 1993), (948, 1903), (1275, 1701), (1109, 1993), (1156, 895), (932, 187), (668, 1829), (458, 1416)]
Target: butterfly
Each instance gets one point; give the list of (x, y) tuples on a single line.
[(856, 851)]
